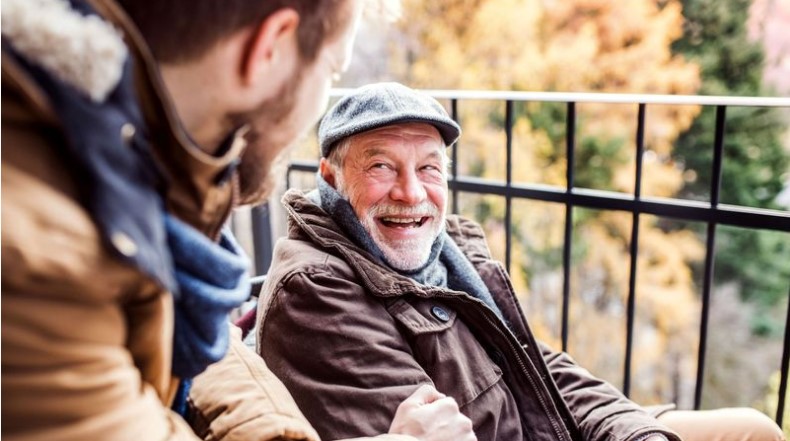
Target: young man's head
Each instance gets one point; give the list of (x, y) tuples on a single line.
[(384, 149), (264, 65)]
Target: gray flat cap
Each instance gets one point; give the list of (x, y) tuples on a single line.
[(382, 104)]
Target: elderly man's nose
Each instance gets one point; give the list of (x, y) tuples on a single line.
[(408, 189)]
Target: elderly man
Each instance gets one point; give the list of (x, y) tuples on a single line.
[(376, 291), (116, 182)]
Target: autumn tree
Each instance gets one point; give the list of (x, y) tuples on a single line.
[(715, 36), (754, 264)]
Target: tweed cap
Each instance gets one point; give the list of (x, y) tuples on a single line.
[(382, 104)]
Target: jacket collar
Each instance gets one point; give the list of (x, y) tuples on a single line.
[(307, 220), (87, 54)]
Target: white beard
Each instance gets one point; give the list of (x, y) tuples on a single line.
[(403, 255)]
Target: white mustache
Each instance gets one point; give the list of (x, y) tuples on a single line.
[(423, 209)]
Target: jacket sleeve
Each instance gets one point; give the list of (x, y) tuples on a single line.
[(316, 327), (238, 398), (599, 408), (66, 372), (61, 382), (64, 379)]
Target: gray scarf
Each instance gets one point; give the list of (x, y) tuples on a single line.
[(446, 266)]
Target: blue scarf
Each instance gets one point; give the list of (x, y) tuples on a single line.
[(212, 280)]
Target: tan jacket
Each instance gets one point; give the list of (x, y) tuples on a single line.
[(87, 338)]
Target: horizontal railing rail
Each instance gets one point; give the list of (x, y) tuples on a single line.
[(596, 97)]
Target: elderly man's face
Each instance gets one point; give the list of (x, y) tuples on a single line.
[(395, 180)]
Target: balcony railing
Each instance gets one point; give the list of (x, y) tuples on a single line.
[(712, 213)]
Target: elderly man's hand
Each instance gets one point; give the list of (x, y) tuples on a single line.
[(429, 415)]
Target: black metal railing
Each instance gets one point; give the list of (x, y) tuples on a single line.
[(712, 213)]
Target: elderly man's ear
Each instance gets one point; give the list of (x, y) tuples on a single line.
[(327, 172), (269, 56)]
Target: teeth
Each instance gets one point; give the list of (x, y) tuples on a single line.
[(402, 220)]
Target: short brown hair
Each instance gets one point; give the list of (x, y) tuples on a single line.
[(182, 30)]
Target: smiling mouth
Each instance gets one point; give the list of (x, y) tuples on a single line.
[(403, 222)]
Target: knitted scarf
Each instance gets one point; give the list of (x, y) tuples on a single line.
[(446, 266), (212, 280)]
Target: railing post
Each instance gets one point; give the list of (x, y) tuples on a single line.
[(508, 183), (262, 238), (454, 157), (634, 250), (780, 404), (710, 252), (570, 147)]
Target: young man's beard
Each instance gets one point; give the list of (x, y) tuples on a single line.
[(264, 159), (260, 166)]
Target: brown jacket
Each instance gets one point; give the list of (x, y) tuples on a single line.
[(350, 339), (86, 337)]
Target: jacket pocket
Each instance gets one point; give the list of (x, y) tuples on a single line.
[(446, 348)]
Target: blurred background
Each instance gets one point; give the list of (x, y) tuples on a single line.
[(690, 47)]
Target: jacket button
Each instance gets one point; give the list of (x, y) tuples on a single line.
[(440, 313), (127, 133), (124, 244)]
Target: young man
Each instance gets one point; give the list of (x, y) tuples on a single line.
[(376, 291), (116, 182)]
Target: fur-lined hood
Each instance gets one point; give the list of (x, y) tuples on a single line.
[(83, 51)]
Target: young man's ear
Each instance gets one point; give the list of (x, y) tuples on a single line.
[(271, 44), (327, 172)]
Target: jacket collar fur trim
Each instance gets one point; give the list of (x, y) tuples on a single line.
[(83, 51)]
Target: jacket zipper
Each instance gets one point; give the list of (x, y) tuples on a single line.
[(524, 370), (522, 365)]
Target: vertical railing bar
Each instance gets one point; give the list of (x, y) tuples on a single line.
[(634, 250), (570, 143), (718, 156), (710, 246), (508, 183), (454, 156), (262, 238), (640, 150), (710, 251), (780, 404)]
